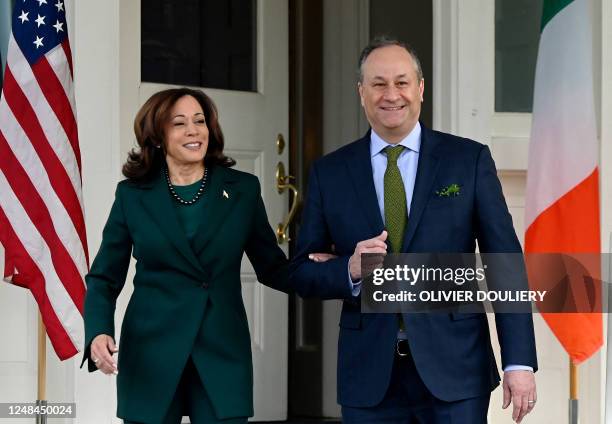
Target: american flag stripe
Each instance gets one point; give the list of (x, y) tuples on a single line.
[(32, 256), (27, 126), (40, 252), (58, 61), (49, 218), (54, 132), (56, 96), (44, 222), (32, 277), (44, 83), (53, 292), (66, 46), (42, 227)]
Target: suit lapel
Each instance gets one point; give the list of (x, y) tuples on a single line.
[(157, 202), (359, 166), (222, 196), (426, 174)]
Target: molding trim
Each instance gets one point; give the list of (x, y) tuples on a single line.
[(445, 65)]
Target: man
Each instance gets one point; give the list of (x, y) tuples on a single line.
[(418, 367)]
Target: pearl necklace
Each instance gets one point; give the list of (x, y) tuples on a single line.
[(179, 198)]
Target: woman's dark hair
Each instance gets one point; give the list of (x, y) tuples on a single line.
[(146, 160)]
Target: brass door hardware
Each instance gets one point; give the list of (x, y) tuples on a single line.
[(280, 144), (282, 183)]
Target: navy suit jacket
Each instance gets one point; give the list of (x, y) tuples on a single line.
[(452, 351)]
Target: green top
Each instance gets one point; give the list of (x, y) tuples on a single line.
[(189, 215)]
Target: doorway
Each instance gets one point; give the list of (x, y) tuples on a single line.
[(326, 37)]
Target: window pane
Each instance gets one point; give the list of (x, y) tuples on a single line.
[(204, 43), (517, 33)]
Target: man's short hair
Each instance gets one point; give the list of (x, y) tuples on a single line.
[(384, 41)]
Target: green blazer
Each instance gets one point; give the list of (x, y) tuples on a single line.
[(186, 300)]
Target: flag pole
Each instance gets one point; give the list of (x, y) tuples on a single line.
[(608, 306), (42, 369), (573, 395)]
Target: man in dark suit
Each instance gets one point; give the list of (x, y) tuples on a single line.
[(378, 194)]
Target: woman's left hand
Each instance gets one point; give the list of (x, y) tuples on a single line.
[(321, 257)]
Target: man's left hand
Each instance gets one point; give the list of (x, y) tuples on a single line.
[(520, 388)]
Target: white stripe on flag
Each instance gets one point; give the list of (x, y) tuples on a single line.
[(59, 62), (54, 132), (66, 311), (29, 160), (563, 149)]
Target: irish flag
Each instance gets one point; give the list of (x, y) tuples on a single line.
[(562, 205)]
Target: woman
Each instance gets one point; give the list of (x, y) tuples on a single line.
[(187, 218)]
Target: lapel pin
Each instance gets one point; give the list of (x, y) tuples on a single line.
[(449, 191), (225, 194)]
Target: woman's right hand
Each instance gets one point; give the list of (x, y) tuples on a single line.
[(102, 349)]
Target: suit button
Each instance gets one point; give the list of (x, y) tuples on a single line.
[(204, 285)]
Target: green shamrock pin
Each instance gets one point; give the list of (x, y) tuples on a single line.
[(448, 191)]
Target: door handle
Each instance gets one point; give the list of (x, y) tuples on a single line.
[(282, 184)]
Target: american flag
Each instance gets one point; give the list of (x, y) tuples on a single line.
[(42, 227)]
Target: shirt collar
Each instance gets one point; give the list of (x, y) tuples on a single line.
[(412, 141)]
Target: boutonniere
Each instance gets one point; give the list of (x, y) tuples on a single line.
[(449, 191)]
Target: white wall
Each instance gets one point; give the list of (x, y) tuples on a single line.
[(96, 63)]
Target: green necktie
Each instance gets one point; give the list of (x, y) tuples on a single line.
[(395, 200), (395, 206)]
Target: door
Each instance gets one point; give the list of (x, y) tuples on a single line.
[(251, 122)]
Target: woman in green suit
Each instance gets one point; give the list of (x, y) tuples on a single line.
[(187, 219)]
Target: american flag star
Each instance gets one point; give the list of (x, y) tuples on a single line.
[(40, 20), (23, 16), (58, 26), (38, 42)]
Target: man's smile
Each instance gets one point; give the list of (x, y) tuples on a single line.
[(392, 108)]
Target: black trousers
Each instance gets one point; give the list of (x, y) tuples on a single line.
[(408, 401)]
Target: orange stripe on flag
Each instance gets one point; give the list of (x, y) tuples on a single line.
[(580, 334), (571, 225)]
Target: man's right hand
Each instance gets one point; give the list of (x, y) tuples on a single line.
[(102, 349), (373, 245)]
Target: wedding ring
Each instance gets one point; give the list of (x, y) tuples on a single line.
[(95, 360), (531, 401)]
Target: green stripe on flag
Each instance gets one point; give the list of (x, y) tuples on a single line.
[(551, 8)]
